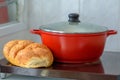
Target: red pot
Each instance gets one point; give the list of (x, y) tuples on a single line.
[(72, 44)]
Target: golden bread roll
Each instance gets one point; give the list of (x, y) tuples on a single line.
[(28, 54)]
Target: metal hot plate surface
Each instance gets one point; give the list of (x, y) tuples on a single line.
[(108, 67)]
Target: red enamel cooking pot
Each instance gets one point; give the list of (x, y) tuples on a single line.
[(74, 41)]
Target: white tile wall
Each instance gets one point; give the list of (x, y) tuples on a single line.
[(105, 13), (46, 11)]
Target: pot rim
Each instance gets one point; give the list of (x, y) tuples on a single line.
[(62, 32), (72, 34), (42, 32)]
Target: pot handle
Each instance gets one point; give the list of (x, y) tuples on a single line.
[(111, 32), (35, 31)]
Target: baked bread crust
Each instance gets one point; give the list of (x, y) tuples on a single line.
[(28, 54)]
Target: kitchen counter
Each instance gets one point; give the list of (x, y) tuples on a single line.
[(21, 77), (107, 68)]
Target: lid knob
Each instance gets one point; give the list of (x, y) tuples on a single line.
[(73, 17)]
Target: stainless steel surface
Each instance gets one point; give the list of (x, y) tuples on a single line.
[(105, 69), (3, 75)]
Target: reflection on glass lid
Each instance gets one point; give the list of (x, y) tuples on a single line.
[(73, 27)]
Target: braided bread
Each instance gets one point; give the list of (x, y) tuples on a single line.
[(28, 54)]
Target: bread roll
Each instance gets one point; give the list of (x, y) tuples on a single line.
[(28, 54)]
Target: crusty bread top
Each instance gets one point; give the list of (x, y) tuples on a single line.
[(24, 52)]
